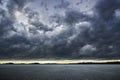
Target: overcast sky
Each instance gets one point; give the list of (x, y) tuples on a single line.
[(79, 29)]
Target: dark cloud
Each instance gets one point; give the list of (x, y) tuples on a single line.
[(7, 14), (63, 4), (106, 12), (73, 16), (80, 2), (105, 33), (20, 3), (74, 34), (6, 25)]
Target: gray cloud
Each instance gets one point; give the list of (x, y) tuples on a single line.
[(28, 33), (63, 4), (105, 31)]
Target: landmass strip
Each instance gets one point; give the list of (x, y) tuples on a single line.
[(58, 61)]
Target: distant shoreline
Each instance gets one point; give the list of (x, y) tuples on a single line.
[(57, 62)]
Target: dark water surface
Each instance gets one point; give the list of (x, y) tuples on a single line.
[(60, 72)]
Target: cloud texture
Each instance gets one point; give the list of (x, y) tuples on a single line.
[(59, 29)]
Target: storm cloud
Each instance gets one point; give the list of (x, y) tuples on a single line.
[(59, 29)]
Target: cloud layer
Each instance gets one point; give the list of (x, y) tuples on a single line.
[(59, 29)]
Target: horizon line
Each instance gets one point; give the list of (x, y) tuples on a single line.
[(56, 61)]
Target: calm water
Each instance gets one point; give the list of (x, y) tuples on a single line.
[(60, 72)]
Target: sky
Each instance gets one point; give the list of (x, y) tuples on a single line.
[(67, 29)]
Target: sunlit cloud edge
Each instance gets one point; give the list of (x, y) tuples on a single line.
[(56, 61)]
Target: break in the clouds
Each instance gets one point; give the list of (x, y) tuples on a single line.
[(59, 29)]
